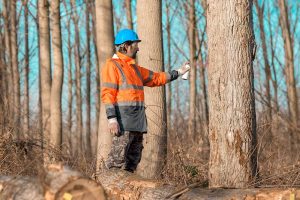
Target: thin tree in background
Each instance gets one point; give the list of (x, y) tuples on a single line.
[(289, 68), (45, 65), (96, 61), (56, 87), (232, 123), (26, 72), (193, 89), (7, 58), (267, 69), (128, 14), (88, 81), (78, 78), (168, 68), (149, 14), (105, 48), (15, 69)]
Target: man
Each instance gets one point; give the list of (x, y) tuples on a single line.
[(123, 95)]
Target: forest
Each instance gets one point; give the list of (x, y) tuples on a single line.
[(234, 123)]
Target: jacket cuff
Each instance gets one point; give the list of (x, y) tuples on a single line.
[(110, 111), (173, 75)]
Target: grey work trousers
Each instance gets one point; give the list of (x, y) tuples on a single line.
[(126, 151)]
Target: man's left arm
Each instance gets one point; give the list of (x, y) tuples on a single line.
[(152, 79)]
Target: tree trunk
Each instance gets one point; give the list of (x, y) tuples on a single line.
[(129, 14), (169, 90), (232, 124), (151, 56), (7, 57), (193, 90), (56, 88), (289, 63), (105, 40), (45, 66), (260, 12), (26, 73), (70, 88), (93, 11), (15, 69), (88, 82), (78, 80)]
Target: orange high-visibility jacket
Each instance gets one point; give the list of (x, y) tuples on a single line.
[(122, 90)]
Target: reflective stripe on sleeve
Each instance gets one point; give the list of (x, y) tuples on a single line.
[(150, 77)]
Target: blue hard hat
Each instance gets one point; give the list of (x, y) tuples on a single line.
[(126, 35)]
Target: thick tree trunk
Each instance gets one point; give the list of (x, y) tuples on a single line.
[(151, 56), (128, 14), (105, 40), (193, 89), (289, 63), (78, 81), (56, 88), (15, 69), (45, 65), (26, 73), (88, 82), (58, 183), (232, 125)]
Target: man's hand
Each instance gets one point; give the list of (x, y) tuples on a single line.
[(184, 68), (113, 126)]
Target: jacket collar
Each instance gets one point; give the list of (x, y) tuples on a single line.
[(124, 58)]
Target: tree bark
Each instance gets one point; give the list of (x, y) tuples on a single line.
[(88, 82), (58, 183), (15, 69), (58, 73), (105, 40), (78, 80), (151, 56), (193, 89), (289, 67), (26, 73), (7, 58), (232, 124), (45, 66), (129, 14)]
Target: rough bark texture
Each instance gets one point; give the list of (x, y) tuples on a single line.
[(59, 183), (45, 68), (26, 73), (151, 57), (15, 69), (78, 80), (56, 88), (289, 67), (128, 14), (232, 125), (193, 91), (105, 40), (88, 82)]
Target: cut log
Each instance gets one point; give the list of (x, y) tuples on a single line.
[(122, 185), (58, 183)]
